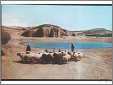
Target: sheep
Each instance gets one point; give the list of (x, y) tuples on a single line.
[(57, 58), (20, 55), (31, 57), (51, 53), (63, 53), (47, 57), (78, 55), (24, 57), (60, 56), (67, 57), (44, 57), (35, 57)]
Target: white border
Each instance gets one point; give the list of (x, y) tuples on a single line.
[(56, 82), (56, 2)]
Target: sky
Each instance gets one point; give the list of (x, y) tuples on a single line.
[(68, 17)]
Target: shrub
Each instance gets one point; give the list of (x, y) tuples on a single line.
[(99, 35), (2, 53), (73, 34), (5, 37)]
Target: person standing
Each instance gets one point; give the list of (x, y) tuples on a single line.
[(28, 49), (72, 47)]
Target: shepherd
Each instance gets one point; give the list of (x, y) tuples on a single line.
[(72, 47), (28, 49)]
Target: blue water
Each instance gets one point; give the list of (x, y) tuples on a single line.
[(67, 44)]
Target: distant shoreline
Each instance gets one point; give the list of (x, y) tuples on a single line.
[(69, 39)]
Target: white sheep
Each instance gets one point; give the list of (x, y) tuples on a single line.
[(34, 57), (67, 57), (78, 55), (38, 55), (45, 53)]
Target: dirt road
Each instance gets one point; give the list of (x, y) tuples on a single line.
[(92, 66)]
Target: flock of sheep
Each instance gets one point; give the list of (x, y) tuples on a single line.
[(48, 57)]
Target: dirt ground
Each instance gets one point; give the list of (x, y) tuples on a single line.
[(97, 64)]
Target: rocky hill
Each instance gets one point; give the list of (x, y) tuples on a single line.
[(45, 30), (49, 30)]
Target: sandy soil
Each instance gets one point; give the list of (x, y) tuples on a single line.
[(97, 63), (93, 66)]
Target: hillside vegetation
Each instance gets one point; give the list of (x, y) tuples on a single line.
[(99, 35)]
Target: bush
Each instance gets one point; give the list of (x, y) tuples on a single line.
[(5, 37), (2, 53), (73, 34), (99, 35)]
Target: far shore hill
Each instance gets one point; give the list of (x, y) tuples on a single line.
[(48, 30)]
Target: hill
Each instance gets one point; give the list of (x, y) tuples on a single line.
[(98, 31), (45, 30)]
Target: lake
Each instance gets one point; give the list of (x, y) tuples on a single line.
[(78, 44)]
